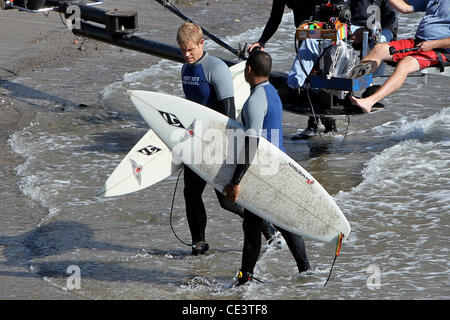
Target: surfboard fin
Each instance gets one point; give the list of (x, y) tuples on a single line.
[(189, 131), (137, 169)]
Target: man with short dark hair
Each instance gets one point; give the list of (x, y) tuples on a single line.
[(262, 112)]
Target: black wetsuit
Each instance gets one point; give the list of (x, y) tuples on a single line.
[(208, 82), (263, 111), (302, 9)]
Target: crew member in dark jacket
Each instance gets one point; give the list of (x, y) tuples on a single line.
[(303, 10)]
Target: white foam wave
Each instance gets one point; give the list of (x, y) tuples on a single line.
[(19, 143), (436, 125), (41, 185), (399, 179), (153, 78), (282, 58)]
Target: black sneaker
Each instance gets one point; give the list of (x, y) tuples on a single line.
[(330, 124), (199, 248), (244, 277), (306, 134)]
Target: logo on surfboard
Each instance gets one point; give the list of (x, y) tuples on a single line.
[(171, 119), (149, 150), (137, 170), (308, 180)]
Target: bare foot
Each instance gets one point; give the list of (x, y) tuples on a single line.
[(364, 103)]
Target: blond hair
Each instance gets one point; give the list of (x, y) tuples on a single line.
[(189, 31)]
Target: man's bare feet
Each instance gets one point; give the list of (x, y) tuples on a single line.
[(364, 103)]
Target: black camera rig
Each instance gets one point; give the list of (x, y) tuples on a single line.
[(331, 11)]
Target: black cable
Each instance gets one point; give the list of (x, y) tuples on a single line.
[(336, 254), (306, 80), (172, 8), (171, 211), (314, 115), (346, 129), (60, 15), (331, 270), (308, 77), (298, 58)]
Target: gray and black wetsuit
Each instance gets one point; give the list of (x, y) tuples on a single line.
[(208, 82), (262, 113)]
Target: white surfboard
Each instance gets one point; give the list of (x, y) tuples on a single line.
[(241, 87), (150, 160), (275, 187)]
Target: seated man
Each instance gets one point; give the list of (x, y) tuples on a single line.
[(431, 47), (311, 49), (362, 21)]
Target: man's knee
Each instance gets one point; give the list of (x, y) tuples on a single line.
[(382, 50), (229, 205), (407, 65)]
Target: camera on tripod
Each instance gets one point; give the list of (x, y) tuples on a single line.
[(330, 11)]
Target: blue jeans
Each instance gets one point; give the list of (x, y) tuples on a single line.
[(310, 51)]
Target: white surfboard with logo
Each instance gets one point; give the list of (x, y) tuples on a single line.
[(275, 187), (150, 160)]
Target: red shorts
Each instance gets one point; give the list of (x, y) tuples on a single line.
[(425, 58)]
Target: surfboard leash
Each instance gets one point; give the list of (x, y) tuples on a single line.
[(171, 211), (336, 254)]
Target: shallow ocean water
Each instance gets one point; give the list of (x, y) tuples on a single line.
[(390, 177)]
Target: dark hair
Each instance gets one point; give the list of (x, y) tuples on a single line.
[(260, 62)]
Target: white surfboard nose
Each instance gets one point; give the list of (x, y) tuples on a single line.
[(347, 230), (136, 94), (138, 97)]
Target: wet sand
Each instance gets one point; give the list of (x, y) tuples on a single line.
[(24, 49), (373, 175), (34, 44)]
